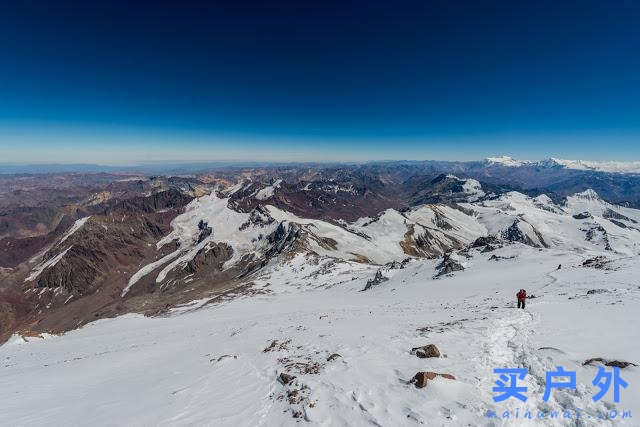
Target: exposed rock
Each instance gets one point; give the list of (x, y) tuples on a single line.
[(582, 215), (75, 271), (333, 357), (444, 188), (421, 379), (277, 346), (465, 253), (429, 350), (283, 238), (397, 265), (617, 363), (515, 234), (485, 241), (259, 217), (212, 256), (426, 243), (301, 365), (379, 278), (596, 291), (618, 223), (592, 233), (495, 257), (205, 230), (599, 262), (447, 266), (285, 378), (223, 357), (612, 215), (169, 199)]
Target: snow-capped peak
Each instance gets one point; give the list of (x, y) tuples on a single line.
[(544, 199), (471, 187), (554, 162), (506, 161), (606, 166), (588, 194)]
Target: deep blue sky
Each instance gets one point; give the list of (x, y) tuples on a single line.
[(319, 80)]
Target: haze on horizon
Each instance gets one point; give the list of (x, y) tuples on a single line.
[(122, 84)]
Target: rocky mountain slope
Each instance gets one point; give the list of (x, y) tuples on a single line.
[(309, 345), (179, 240)]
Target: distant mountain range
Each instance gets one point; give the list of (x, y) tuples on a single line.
[(76, 247), (164, 167), (552, 162), (79, 247)]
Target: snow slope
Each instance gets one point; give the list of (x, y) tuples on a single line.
[(208, 366), (556, 225), (216, 361), (225, 223), (426, 230)]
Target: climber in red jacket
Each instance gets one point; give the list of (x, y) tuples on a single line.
[(522, 298)]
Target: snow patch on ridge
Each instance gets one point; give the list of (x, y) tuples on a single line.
[(49, 263), (473, 189), (225, 223), (75, 227), (269, 190)]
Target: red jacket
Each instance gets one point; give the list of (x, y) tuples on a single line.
[(522, 295)]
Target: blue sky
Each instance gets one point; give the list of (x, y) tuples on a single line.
[(329, 81)]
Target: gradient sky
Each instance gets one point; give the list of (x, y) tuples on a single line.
[(303, 80)]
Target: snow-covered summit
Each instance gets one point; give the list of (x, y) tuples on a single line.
[(588, 194), (554, 162), (606, 166), (506, 161)]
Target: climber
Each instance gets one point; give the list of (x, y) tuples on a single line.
[(522, 298)]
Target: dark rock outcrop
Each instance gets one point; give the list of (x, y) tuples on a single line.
[(212, 257), (599, 262), (205, 230), (429, 350), (495, 257), (582, 215), (285, 378), (485, 241), (447, 266), (282, 238), (421, 379), (617, 363), (379, 278), (170, 199), (514, 234), (611, 215)]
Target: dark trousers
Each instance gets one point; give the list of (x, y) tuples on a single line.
[(521, 303)]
